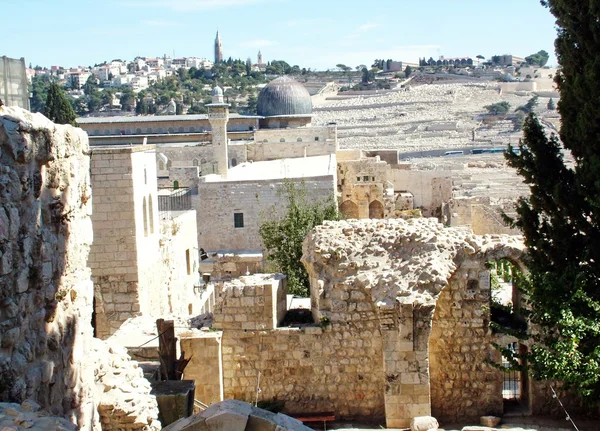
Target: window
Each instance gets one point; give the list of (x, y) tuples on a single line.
[(233, 163), (195, 162), (282, 140), (316, 138), (175, 184), (299, 140), (357, 178), (365, 178), (145, 216), (138, 131), (151, 211), (192, 129), (181, 130), (188, 262), (238, 220)]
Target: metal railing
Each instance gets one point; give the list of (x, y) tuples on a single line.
[(170, 200)]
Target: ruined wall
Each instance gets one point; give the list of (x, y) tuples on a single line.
[(460, 347), (45, 237), (402, 267), (335, 366), (205, 366), (196, 154), (430, 188)]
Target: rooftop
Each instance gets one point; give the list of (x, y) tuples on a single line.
[(153, 118), (303, 167)]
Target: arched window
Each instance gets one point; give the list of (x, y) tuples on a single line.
[(161, 165), (299, 140), (202, 161), (151, 214), (175, 184), (282, 140), (233, 163), (195, 162), (138, 131), (316, 138), (149, 130), (181, 130), (145, 215), (192, 129), (171, 130)]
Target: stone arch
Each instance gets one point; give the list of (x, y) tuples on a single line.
[(349, 209), (282, 140), (376, 210), (175, 184), (460, 343), (195, 162), (299, 140)]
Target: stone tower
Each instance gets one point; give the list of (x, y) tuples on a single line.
[(260, 60), (218, 48), (218, 117)]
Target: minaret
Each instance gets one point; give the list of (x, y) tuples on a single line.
[(218, 116), (218, 48), (259, 57)]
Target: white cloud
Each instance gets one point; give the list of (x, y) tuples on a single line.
[(258, 43), (366, 27), (198, 5)]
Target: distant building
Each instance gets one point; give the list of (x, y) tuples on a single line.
[(510, 60), (260, 59), (392, 66), (78, 79), (218, 48)]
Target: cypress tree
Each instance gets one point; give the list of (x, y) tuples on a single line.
[(58, 108), (560, 220)]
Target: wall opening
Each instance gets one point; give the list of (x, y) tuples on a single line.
[(238, 220), (145, 215), (376, 210), (188, 262), (349, 209), (151, 213)]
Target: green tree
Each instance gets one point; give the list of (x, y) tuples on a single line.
[(529, 106), (408, 71), (58, 108), (560, 220), (551, 105), (499, 108), (540, 58), (283, 236)]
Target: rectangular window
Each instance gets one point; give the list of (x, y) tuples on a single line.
[(238, 220), (365, 178), (188, 261)]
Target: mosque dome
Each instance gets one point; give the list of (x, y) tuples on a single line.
[(284, 96)]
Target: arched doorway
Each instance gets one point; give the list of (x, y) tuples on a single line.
[(376, 210), (349, 209)]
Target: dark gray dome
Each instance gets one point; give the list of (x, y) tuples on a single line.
[(284, 96)]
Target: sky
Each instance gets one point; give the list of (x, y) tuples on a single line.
[(316, 34)]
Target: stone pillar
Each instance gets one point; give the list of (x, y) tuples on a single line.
[(405, 366), (218, 117)]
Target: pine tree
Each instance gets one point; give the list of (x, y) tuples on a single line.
[(551, 105), (58, 108), (560, 220)]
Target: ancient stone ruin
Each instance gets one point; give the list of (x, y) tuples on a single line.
[(48, 356)]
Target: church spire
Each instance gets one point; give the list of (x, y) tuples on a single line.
[(218, 48)]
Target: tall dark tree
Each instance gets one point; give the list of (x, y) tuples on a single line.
[(58, 108), (560, 220)]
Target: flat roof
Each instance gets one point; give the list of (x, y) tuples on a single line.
[(154, 118), (302, 167)]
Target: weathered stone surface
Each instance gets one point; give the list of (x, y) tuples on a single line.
[(45, 236), (490, 421), (233, 415), (424, 423), (15, 417)]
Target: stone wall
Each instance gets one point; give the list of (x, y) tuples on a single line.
[(330, 366), (429, 188), (45, 237), (205, 366), (219, 201), (460, 347), (196, 154)]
